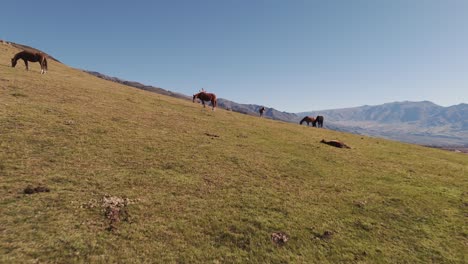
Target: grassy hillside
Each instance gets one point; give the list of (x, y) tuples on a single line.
[(208, 187)]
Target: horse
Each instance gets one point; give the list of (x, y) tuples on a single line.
[(309, 120), (262, 110), (319, 120), (32, 57), (335, 143), (204, 96)]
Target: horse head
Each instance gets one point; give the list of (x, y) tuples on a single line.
[(13, 62), (194, 97)]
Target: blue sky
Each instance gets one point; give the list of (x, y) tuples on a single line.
[(295, 55)]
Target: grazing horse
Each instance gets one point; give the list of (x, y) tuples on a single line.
[(319, 120), (32, 57), (309, 120), (262, 110), (204, 96)]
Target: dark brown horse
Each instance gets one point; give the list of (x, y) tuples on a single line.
[(261, 111), (204, 96), (32, 57), (319, 120), (309, 120)]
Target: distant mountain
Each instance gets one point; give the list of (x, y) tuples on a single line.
[(138, 85), (253, 109), (415, 122)]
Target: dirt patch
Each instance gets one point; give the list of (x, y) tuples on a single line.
[(326, 235), (115, 210), (33, 190), (18, 95), (360, 204), (69, 122), (364, 225), (242, 136), (212, 135), (279, 238)]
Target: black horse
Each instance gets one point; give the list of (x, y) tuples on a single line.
[(261, 111), (319, 120)]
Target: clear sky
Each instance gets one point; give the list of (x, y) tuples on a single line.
[(293, 55)]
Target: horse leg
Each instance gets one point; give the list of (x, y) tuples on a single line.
[(26, 63), (45, 65), (41, 62), (203, 102)]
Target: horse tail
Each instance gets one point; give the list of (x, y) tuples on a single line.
[(45, 63)]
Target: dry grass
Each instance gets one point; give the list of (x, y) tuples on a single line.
[(204, 198)]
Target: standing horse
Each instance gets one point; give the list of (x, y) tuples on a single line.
[(319, 120), (309, 120), (32, 57), (261, 111), (203, 96)]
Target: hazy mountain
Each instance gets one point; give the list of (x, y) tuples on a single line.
[(138, 85), (253, 109)]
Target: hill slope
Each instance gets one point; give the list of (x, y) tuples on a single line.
[(249, 109), (422, 123), (207, 187)]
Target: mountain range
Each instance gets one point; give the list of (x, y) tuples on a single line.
[(423, 123)]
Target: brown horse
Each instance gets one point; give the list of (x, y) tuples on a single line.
[(309, 120), (204, 96), (261, 111), (32, 57)]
